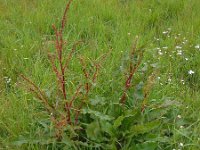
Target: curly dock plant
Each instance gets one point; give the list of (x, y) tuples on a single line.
[(69, 114), (113, 124)]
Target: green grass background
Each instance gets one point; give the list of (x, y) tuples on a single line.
[(26, 35)]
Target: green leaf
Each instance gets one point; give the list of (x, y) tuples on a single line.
[(107, 127), (97, 114), (139, 95), (144, 146), (145, 128), (111, 146), (20, 142), (132, 113), (93, 131), (84, 144), (131, 118), (97, 101), (168, 103), (67, 141), (42, 141), (118, 122)]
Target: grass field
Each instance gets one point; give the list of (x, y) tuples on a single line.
[(169, 30)]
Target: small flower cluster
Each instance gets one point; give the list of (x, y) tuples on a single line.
[(7, 80), (176, 53)]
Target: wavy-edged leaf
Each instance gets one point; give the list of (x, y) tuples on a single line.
[(93, 131), (145, 128), (97, 114), (118, 122), (107, 127), (144, 146)]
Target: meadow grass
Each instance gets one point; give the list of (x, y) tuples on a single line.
[(169, 29)]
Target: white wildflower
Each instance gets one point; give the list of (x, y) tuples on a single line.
[(179, 116), (197, 46), (165, 32), (8, 80), (183, 82), (181, 144), (179, 52), (165, 47), (160, 53), (190, 72)]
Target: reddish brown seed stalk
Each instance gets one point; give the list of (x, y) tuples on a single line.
[(39, 94), (68, 105), (59, 48), (71, 53), (59, 71), (147, 89), (64, 18), (132, 71), (68, 112), (86, 74), (75, 95), (52, 60)]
